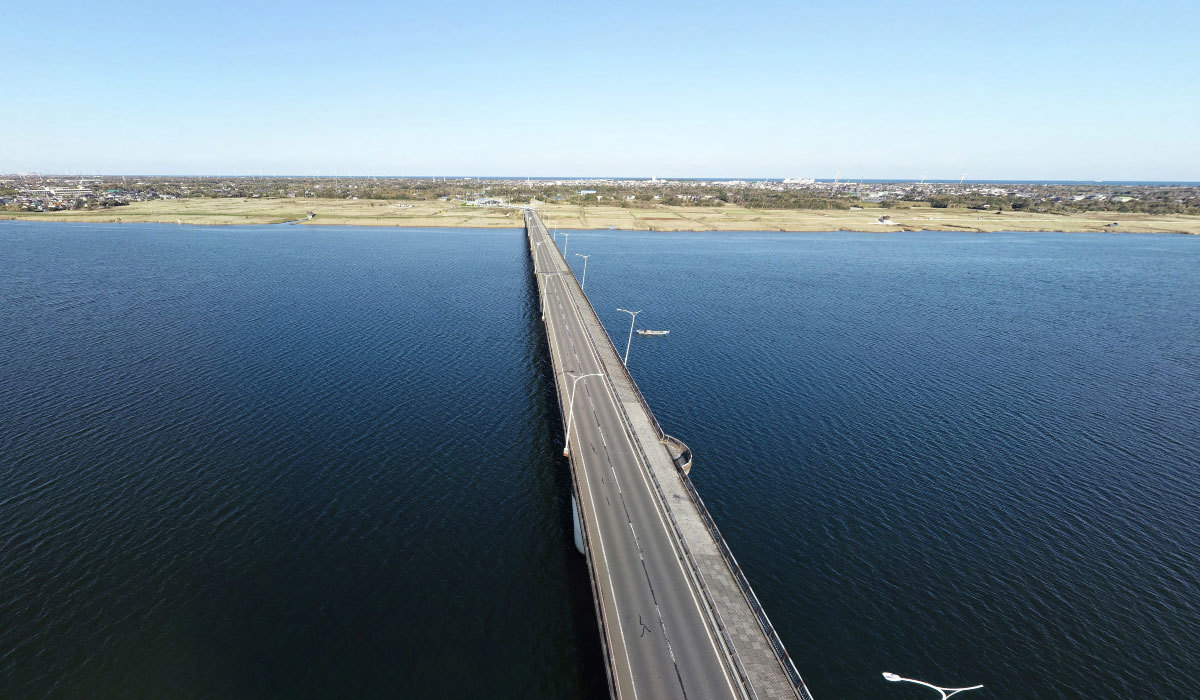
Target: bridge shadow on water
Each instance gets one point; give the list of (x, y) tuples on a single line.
[(554, 476)]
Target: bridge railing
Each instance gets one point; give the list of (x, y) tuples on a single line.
[(706, 596), (768, 628), (702, 586), (587, 547)]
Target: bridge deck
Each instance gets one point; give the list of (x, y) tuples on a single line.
[(677, 616)]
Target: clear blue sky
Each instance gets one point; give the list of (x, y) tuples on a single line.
[(1049, 90)]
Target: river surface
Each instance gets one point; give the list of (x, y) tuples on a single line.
[(314, 462)]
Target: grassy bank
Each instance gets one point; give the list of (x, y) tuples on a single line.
[(662, 218), (275, 211)]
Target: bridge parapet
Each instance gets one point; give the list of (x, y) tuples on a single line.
[(680, 453)]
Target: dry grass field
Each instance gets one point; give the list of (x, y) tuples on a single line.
[(731, 218), (276, 211), (727, 218)]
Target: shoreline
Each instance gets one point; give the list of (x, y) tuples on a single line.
[(364, 224), (438, 214)]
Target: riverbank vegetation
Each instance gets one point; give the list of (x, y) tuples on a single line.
[(45, 193), (872, 217)]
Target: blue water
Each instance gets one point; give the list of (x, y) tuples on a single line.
[(279, 462)]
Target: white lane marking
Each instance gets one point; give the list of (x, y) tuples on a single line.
[(604, 556), (662, 623), (608, 573), (627, 430)]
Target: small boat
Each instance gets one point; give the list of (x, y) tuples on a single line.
[(643, 331)]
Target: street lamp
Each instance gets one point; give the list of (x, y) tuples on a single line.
[(584, 282), (945, 692), (632, 318), (545, 290), (571, 412), (566, 243)]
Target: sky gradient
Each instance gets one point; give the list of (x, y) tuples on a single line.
[(1020, 90)]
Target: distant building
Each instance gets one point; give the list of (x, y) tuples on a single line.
[(485, 202), (59, 192)]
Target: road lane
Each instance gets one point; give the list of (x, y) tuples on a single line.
[(661, 629)]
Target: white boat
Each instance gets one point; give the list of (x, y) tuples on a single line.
[(643, 331)]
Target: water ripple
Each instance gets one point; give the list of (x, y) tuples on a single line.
[(263, 463)]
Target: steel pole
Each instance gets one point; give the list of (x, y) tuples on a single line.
[(584, 282), (945, 692), (571, 412), (632, 320)]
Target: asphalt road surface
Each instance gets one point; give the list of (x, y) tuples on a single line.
[(657, 631)]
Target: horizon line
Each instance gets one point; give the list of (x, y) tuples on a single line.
[(758, 178)]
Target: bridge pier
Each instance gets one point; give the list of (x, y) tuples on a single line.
[(575, 522)]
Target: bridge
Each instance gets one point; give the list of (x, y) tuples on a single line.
[(677, 616)]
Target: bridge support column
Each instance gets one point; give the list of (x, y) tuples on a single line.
[(577, 528)]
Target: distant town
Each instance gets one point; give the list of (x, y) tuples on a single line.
[(44, 193)]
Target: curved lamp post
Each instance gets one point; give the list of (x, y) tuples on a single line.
[(571, 412), (545, 290), (566, 242), (632, 319), (945, 692), (585, 257)]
